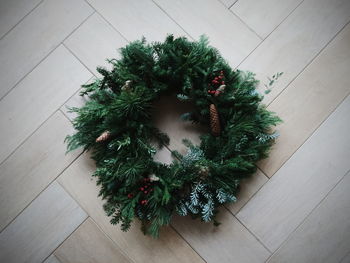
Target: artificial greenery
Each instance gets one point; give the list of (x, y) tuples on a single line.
[(133, 185)]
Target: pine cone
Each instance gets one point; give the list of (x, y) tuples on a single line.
[(214, 120), (103, 137)]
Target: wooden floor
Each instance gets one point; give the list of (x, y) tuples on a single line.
[(296, 208)]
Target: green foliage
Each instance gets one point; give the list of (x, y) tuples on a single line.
[(132, 184)]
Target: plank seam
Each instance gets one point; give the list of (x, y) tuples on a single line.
[(268, 34), (45, 57), (187, 242), (311, 134), (248, 27), (115, 29), (250, 198), (168, 15), (21, 19), (308, 215), (53, 253), (48, 184), (253, 234), (309, 63)]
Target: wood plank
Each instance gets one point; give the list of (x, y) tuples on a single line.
[(314, 95), (293, 45), (52, 259), (265, 15), (134, 19), (36, 36), (230, 242), (170, 247), (303, 181), (11, 12), (75, 101), (41, 227), (38, 96), (94, 42), (248, 188), (226, 32), (89, 244), (228, 3), (33, 166), (325, 234)]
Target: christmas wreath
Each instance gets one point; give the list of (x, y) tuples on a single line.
[(115, 124)]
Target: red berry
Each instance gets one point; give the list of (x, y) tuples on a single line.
[(222, 82), (145, 192), (130, 195), (146, 186), (142, 189), (144, 202)]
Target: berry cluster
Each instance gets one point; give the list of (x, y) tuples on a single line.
[(145, 189), (215, 87)]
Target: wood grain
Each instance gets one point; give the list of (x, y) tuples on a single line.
[(38, 96), (88, 244), (33, 166), (94, 42), (265, 15), (229, 242), (228, 3), (170, 247), (226, 32), (41, 227), (248, 187), (145, 17), (11, 12), (308, 101), (36, 36), (293, 45), (303, 181), (52, 259), (325, 234)]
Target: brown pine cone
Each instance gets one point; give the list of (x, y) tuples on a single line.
[(214, 120), (103, 137)]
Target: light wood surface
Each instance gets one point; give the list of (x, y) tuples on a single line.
[(329, 227), (265, 15), (284, 202), (31, 169), (89, 245), (48, 48), (228, 3), (248, 187), (296, 42), (144, 16), (11, 12), (37, 97), (52, 259), (310, 99), (230, 242), (170, 247), (95, 42), (226, 31), (41, 227), (42, 31)]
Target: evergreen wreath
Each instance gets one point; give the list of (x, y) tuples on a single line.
[(116, 125)]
